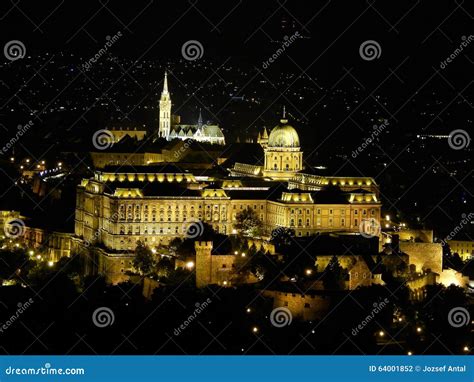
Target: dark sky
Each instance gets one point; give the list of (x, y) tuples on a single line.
[(424, 33)]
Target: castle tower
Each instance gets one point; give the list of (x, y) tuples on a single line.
[(165, 111), (203, 263)]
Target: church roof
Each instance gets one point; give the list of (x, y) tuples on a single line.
[(211, 131)]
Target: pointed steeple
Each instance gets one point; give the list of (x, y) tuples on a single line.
[(200, 118), (164, 127), (165, 83)]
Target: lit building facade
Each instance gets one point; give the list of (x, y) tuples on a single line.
[(156, 207), (155, 204), (464, 248)]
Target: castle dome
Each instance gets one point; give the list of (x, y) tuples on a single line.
[(284, 136)]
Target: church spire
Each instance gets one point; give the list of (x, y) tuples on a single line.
[(200, 118), (165, 83), (164, 127)]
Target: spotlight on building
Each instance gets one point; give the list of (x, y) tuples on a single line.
[(190, 264)]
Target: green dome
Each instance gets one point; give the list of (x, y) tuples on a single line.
[(284, 135)]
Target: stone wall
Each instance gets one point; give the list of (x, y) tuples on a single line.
[(306, 307), (114, 268), (424, 255), (422, 235), (222, 270), (149, 285)]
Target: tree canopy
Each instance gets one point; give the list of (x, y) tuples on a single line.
[(248, 223)]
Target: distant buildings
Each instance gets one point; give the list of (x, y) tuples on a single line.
[(464, 248), (170, 126), (133, 132)]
